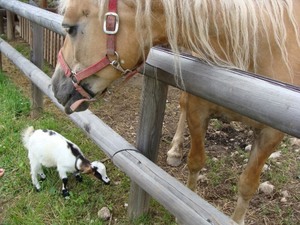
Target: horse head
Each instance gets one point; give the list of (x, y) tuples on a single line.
[(101, 45)]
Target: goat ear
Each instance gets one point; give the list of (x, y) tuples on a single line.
[(87, 169)]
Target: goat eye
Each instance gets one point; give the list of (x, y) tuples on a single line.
[(71, 30)]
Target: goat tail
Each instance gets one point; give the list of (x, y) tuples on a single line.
[(26, 134)]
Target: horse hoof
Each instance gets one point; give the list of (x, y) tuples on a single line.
[(173, 161)]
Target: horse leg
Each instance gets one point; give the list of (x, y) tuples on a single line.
[(175, 153), (198, 118), (266, 141)]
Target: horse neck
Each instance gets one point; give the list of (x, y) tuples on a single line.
[(197, 27), (217, 31)]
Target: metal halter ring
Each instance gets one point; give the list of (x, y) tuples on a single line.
[(117, 65)]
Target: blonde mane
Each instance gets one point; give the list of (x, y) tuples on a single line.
[(241, 23), (192, 24)]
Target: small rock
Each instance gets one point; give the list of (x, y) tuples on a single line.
[(283, 145), (266, 188), (248, 148), (250, 133), (202, 178), (285, 194), (234, 153), (295, 141), (104, 213), (283, 200), (215, 159), (275, 155), (265, 168), (236, 125)]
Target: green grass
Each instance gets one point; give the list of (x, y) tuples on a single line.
[(21, 204)]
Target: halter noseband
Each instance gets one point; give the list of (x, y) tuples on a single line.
[(110, 27)]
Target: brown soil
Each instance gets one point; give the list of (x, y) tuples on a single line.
[(225, 142)]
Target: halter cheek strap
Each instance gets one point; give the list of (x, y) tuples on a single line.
[(110, 27)]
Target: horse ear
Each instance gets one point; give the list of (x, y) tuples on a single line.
[(87, 169)]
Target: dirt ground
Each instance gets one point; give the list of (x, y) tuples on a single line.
[(225, 143)]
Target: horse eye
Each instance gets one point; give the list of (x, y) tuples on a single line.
[(71, 30)]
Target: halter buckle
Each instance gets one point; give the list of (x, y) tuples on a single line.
[(116, 23)]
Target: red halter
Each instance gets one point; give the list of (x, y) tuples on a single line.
[(110, 27)]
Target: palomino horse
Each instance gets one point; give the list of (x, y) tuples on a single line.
[(108, 38)]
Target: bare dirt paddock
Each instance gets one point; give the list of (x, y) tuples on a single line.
[(225, 142)]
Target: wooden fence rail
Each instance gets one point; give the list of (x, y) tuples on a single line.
[(265, 100)]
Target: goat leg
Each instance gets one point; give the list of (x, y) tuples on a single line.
[(78, 177), (65, 191)]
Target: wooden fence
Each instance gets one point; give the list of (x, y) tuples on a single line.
[(52, 41), (148, 178)]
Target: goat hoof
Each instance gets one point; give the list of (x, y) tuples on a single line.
[(78, 178), (66, 194), (38, 189), (43, 177)]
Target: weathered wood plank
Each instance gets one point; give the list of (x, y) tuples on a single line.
[(10, 26), (2, 13), (37, 59), (148, 137)]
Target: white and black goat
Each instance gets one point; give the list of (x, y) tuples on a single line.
[(50, 149)]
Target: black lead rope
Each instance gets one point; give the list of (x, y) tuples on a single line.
[(124, 150), (76, 163)]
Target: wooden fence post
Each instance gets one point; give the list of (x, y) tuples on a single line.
[(2, 13), (37, 54), (10, 25), (148, 138)]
